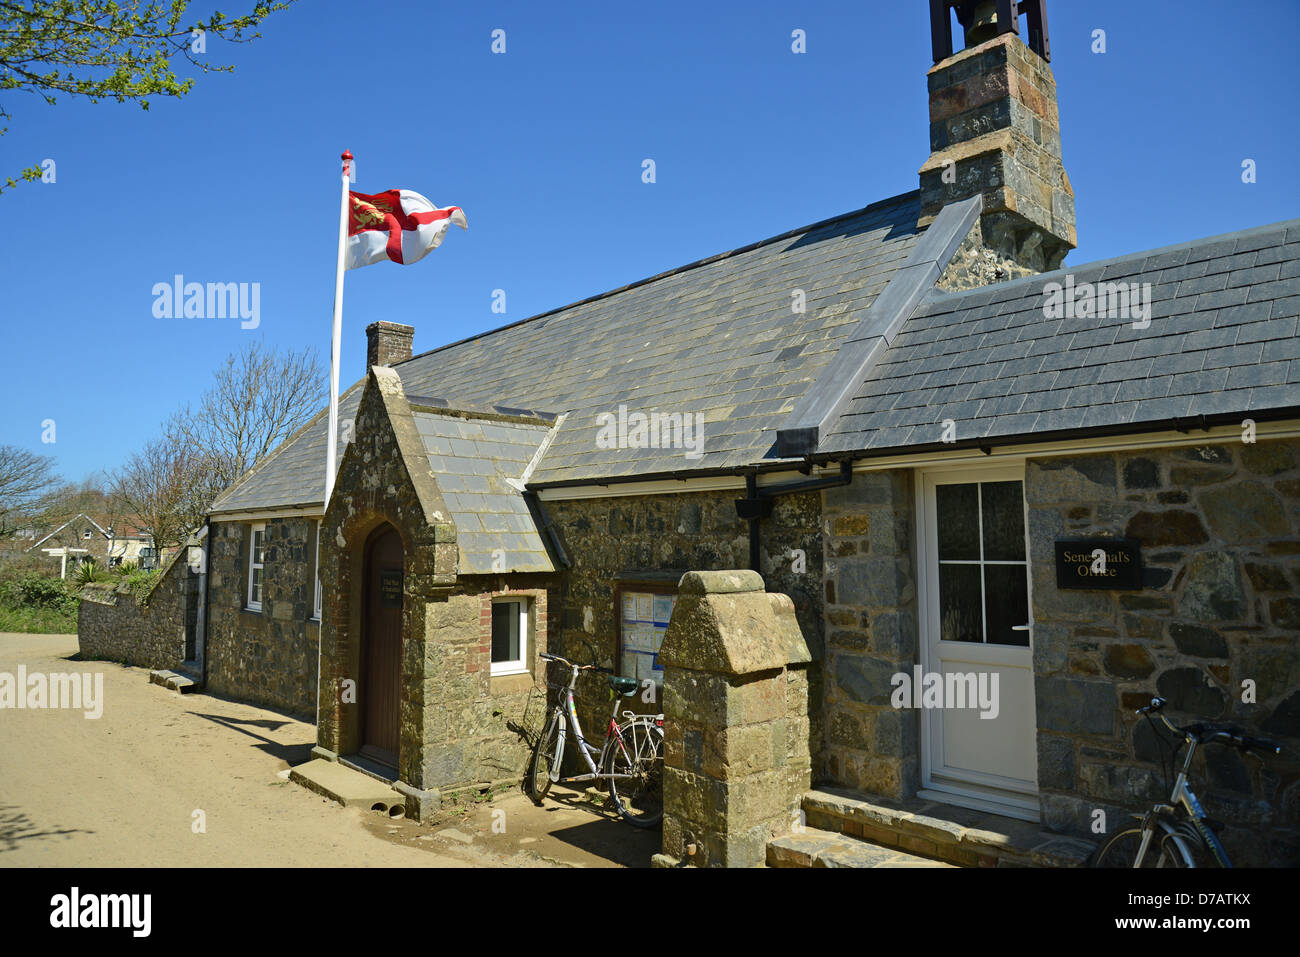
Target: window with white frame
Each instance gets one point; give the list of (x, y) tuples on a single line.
[(256, 554), (316, 603), (509, 637)]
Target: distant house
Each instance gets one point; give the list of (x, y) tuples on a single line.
[(83, 537), (911, 418), (78, 539)]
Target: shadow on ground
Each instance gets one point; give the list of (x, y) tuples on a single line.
[(292, 754), (16, 826)]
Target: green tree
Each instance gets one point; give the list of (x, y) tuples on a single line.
[(106, 49)]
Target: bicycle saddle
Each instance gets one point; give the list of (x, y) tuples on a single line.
[(624, 686)]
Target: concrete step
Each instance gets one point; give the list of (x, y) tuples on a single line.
[(961, 836), (812, 847), (181, 682), (348, 787)]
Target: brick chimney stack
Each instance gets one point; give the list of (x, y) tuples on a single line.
[(995, 131), (388, 342)]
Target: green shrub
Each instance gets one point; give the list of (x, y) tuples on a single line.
[(39, 621), (38, 604), (89, 572), (139, 582), (37, 591)]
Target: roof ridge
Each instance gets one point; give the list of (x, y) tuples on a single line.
[(898, 200)]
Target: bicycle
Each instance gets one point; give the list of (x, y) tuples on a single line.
[(631, 759), (1180, 830)]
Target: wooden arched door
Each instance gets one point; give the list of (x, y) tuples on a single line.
[(381, 646)]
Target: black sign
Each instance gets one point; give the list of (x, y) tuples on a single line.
[(390, 588), (1098, 563)]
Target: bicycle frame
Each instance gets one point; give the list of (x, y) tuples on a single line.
[(1183, 797), (566, 712)]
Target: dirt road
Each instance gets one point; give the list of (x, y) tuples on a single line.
[(128, 788)]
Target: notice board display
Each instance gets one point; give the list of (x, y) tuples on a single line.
[(643, 621)]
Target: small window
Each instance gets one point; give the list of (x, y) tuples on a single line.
[(509, 637), (256, 554), (316, 603), (85, 533)]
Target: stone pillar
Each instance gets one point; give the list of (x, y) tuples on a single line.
[(736, 761), (995, 130)]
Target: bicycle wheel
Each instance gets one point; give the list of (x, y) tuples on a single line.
[(640, 798), (537, 781), (1165, 850)]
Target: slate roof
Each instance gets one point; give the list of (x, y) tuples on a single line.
[(717, 337), (1222, 339), (293, 475), (472, 458)]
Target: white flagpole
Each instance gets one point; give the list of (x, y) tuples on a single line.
[(331, 457)]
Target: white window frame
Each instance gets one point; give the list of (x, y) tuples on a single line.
[(319, 592), (517, 666), (253, 531)]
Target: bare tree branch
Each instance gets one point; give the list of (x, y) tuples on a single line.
[(24, 477)]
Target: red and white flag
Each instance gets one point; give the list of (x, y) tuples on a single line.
[(397, 224)]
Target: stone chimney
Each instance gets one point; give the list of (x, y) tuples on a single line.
[(388, 342), (995, 131)]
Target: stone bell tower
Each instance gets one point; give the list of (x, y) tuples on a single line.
[(995, 131)]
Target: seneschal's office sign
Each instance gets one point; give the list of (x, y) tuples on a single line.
[(1098, 563)]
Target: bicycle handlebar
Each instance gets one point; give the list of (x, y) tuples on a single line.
[(1205, 733), (548, 657)]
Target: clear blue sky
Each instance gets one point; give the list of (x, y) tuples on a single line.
[(542, 147)]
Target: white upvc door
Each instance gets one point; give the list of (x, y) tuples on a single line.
[(975, 620)]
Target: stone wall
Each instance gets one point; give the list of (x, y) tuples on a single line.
[(609, 537), (871, 630), (482, 738), (265, 657), (1219, 527), (974, 264), (113, 625)]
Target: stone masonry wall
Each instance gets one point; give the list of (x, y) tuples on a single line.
[(112, 625), (1219, 527), (871, 627), (974, 265), (482, 738), (689, 531), (265, 657)]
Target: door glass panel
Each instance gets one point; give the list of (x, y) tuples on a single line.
[(1006, 597), (1002, 504), (958, 511), (980, 537), (959, 603)]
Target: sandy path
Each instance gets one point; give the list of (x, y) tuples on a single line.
[(121, 790)]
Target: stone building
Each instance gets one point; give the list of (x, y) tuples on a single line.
[(910, 419)]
